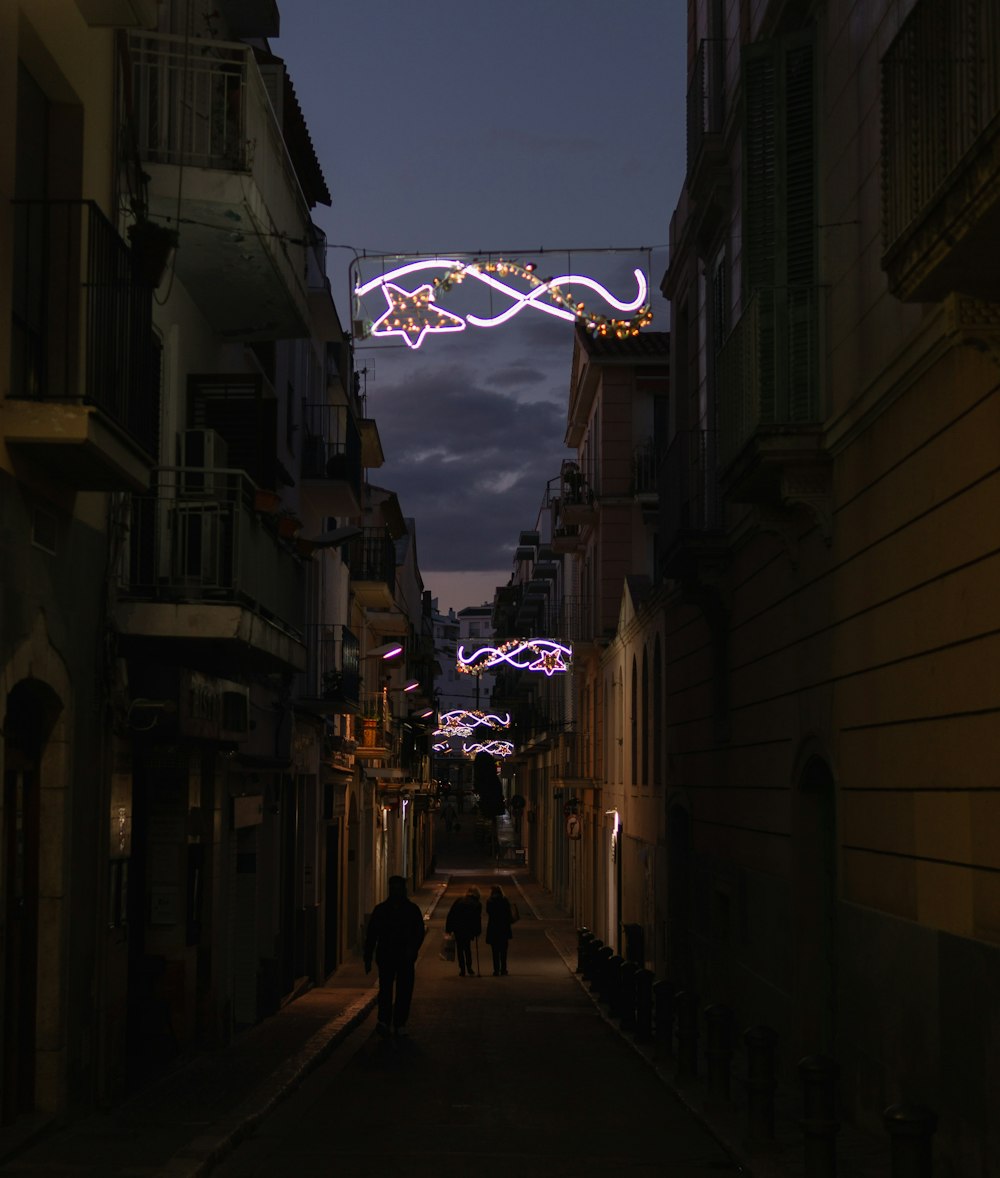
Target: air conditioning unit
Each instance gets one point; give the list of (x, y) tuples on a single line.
[(204, 451)]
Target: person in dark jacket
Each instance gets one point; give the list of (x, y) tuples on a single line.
[(465, 923), (498, 929), (395, 933)]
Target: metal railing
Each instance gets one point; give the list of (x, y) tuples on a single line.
[(372, 557), (332, 665), (573, 619), (195, 536), (940, 91), (691, 504), (82, 318), (331, 447), (706, 103), (769, 366)]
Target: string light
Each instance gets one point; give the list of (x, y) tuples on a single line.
[(461, 722), (415, 314)]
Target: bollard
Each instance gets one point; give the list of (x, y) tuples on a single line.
[(594, 947), (611, 983), (601, 958), (819, 1115), (687, 1034), (760, 1043), (663, 1018), (643, 1005), (583, 936), (626, 996), (719, 1050), (911, 1127)]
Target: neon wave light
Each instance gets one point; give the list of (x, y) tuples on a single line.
[(545, 655), (461, 722), (415, 314), (496, 748)]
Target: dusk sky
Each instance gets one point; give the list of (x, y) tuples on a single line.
[(460, 127)]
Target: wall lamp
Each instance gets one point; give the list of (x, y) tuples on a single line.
[(387, 651)]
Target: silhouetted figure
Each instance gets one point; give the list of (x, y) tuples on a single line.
[(465, 923), (395, 933), (486, 783), (498, 929)]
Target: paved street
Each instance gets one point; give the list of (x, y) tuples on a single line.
[(499, 1076)]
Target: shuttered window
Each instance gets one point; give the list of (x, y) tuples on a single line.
[(236, 406)]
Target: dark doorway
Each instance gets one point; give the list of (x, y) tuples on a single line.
[(331, 923), (30, 712), (680, 964), (815, 907)]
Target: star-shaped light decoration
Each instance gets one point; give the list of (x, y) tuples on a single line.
[(414, 314), (549, 661)]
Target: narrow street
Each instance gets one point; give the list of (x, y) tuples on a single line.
[(508, 1075)]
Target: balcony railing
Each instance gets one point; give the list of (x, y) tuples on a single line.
[(574, 619), (82, 316), (372, 557), (644, 469), (331, 447), (769, 367), (940, 92), (691, 501), (195, 537), (705, 97), (332, 673)]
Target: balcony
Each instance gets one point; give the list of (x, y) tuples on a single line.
[(372, 560), (575, 621), (212, 147), (330, 682), (84, 376), (577, 503), (208, 581), (566, 538), (941, 152), (771, 419), (692, 538), (375, 726), (331, 460)]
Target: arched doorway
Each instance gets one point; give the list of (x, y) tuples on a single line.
[(32, 708), (815, 903)]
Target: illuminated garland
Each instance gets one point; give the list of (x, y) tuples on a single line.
[(496, 748), (414, 314), (461, 722), (546, 655)]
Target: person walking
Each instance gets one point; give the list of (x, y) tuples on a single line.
[(394, 936), (465, 922), (499, 929)]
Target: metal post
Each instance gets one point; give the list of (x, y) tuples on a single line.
[(819, 1120), (583, 936), (626, 995), (643, 1005), (687, 1034), (602, 957), (911, 1128), (760, 1043), (663, 1017), (719, 1050), (594, 946)]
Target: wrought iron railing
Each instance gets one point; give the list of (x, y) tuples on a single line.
[(372, 557), (331, 447), (332, 665), (574, 619), (82, 316), (940, 91), (706, 107), (195, 536), (769, 366)]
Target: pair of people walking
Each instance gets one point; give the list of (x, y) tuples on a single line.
[(465, 923)]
